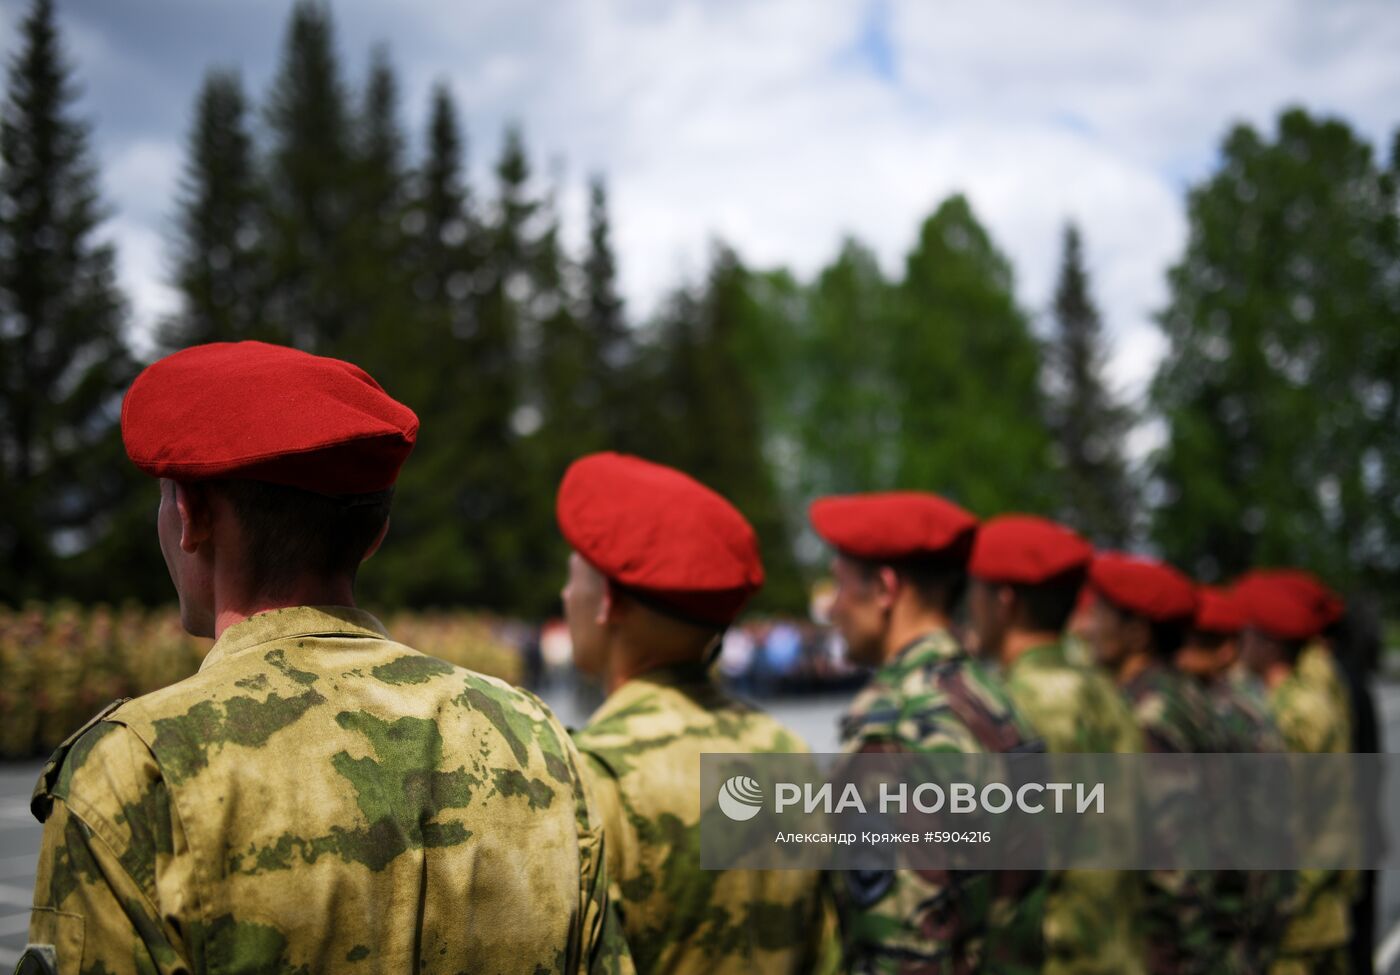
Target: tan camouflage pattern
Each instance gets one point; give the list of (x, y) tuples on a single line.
[(1310, 721), (642, 753), (1090, 915), (319, 798), (1183, 912), (1317, 666), (932, 697)]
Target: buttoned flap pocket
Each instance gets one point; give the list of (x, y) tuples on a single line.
[(59, 931)]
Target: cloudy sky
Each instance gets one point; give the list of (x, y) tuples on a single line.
[(782, 126)]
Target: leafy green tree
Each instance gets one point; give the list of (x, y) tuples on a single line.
[(1088, 424), (66, 489), (617, 387), (1278, 390), (219, 257)]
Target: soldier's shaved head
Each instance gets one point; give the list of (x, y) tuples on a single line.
[(618, 634)]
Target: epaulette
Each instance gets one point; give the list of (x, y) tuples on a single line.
[(41, 802)]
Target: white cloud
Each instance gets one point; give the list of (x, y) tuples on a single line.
[(771, 126)]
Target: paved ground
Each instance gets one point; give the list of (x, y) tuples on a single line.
[(814, 718)]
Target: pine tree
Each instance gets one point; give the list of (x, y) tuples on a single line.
[(611, 342), (65, 485), (219, 256), (965, 370), (433, 561), (311, 188), (1088, 425)]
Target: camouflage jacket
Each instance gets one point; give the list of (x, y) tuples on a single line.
[(1183, 911), (1091, 916), (320, 798), (1256, 904), (1310, 721), (932, 697), (1318, 666), (642, 755)]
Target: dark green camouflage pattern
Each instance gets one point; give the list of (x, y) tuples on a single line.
[(1183, 913), (932, 697)]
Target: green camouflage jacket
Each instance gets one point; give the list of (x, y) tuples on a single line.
[(1256, 903), (1310, 721), (932, 697), (320, 798), (642, 754), (1183, 912), (1091, 916)]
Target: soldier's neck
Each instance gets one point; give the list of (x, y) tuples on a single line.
[(626, 662), (1018, 642), (905, 628), (1275, 674), (1132, 665), (233, 605)]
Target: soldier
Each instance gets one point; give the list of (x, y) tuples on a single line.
[(1210, 655), (1256, 903), (1317, 663), (660, 566), (1026, 577), (1141, 611), (317, 797), (900, 568), (1281, 617)]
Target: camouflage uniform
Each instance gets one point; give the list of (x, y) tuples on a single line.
[(642, 754), (1316, 937), (320, 798), (1183, 911), (1090, 915), (932, 697), (1317, 666), (1256, 904)]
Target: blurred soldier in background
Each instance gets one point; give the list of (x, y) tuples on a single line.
[(660, 566), (1256, 903), (1282, 615), (1026, 577), (900, 570), (317, 797), (1141, 612)]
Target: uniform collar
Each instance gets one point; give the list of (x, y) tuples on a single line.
[(1042, 655), (290, 623), (937, 643)]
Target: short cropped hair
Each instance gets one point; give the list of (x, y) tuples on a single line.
[(292, 534)]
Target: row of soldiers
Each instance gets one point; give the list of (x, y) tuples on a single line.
[(320, 798)]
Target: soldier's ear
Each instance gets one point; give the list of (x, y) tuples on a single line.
[(888, 585), (378, 540), (610, 604), (196, 518)]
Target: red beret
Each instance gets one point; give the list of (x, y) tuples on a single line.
[(1218, 611), (892, 525), (1144, 587), (260, 412), (1287, 603), (662, 533), (1026, 550)]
